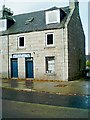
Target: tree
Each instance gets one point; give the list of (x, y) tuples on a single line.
[(88, 63)]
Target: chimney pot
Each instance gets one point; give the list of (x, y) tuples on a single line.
[(73, 4)]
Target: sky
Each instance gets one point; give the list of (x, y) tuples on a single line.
[(25, 6)]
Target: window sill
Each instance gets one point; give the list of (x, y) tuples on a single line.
[(21, 48), (49, 47), (50, 74)]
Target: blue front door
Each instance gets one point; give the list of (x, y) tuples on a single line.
[(29, 68), (14, 67)]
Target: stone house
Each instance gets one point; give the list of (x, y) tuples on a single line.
[(47, 44)]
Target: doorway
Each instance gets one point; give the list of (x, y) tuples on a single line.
[(29, 68), (14, 67)]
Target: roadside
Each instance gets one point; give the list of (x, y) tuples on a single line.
[(77, 87)]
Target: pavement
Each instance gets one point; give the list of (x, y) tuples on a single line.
[(76, 87)]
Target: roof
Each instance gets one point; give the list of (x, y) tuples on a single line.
[(35, 21)]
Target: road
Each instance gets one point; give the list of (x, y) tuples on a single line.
[(26, 104), (47, 98), (16, 109)]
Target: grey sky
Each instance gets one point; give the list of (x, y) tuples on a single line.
[(24, 6)]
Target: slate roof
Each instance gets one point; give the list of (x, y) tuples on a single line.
[(35, 21)]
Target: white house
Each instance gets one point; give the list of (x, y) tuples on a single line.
[(47, 44)]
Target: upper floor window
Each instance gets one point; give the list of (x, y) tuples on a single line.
[(1, 14), (3, 25), (53, 16), (50, 39), (21, 41)]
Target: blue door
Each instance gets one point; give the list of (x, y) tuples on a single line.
[(14, 67), (29, 68)]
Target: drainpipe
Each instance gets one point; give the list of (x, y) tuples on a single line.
[(8, 53), (63, 51)]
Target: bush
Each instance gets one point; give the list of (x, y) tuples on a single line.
[(88, 63)]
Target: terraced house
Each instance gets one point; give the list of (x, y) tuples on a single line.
[(47, 44)]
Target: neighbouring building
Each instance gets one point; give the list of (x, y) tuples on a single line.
[(47, 44), (88, 28)]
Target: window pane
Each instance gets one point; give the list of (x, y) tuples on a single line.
[(49, 39), (1, 14), (52, 17), (21, 41), (3, 24), (50, 64)]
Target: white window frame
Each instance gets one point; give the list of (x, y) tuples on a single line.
[(58, 16), (3, 28), (50, 45), (19, 41), (1, 14), (49, 71)]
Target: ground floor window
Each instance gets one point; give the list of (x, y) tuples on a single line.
[(50, 64)]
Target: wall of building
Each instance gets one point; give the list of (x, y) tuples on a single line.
[(76, 46), (3, 57), (35, 45), (0, 57)]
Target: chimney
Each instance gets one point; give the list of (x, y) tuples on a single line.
[(7, 14), (73, 4)]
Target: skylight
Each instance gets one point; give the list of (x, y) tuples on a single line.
[(29, 20)]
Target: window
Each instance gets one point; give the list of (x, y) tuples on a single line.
[(3, 25), (1, 14), (50, 64), (21, 41), (50, 39), (53, 16)]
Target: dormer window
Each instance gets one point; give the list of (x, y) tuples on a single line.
[(53, 16), (1, 14), (3, 24)]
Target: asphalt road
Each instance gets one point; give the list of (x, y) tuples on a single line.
[(47, 98), (16, 109)]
